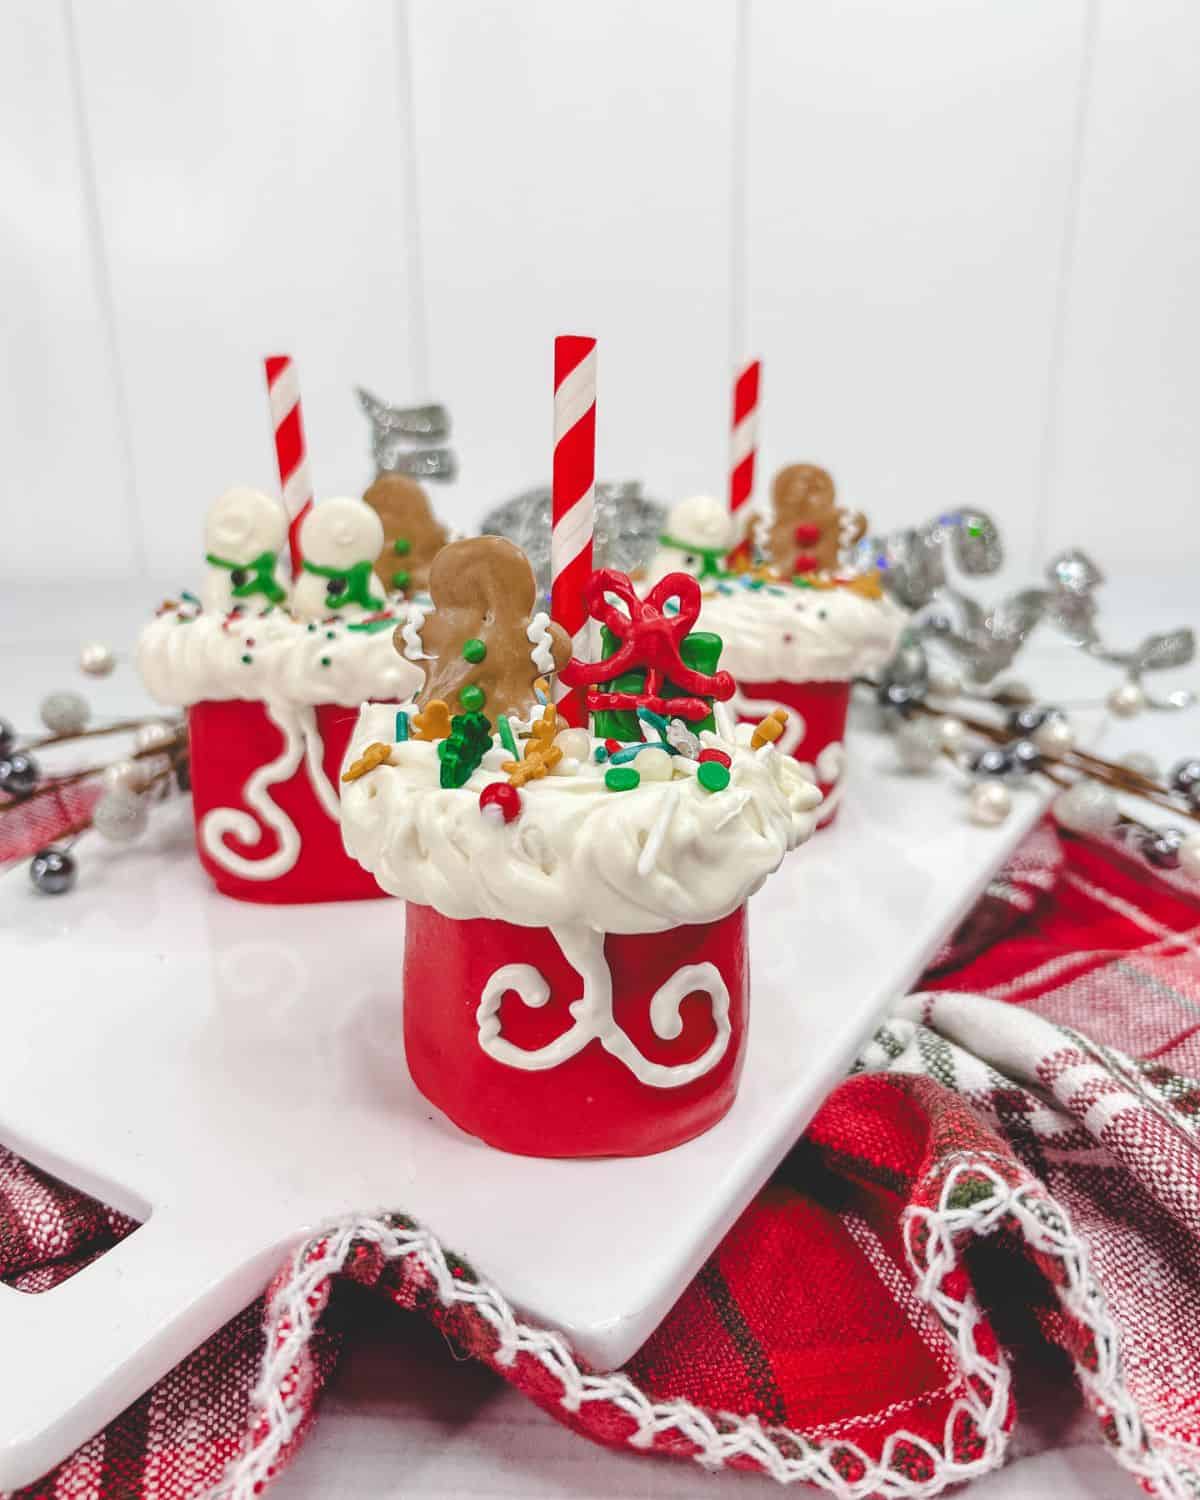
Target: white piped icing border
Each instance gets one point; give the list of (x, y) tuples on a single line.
[(666, 853)]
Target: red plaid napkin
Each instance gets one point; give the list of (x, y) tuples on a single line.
[(1005, 1192)]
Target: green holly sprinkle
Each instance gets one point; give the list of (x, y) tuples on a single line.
[(712, 776), (474, 650), (462, 750), (402, 546), (507, 738), (472, 697), (400, 579), (622, 778)]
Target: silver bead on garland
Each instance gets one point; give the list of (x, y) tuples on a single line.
[(1161, 847), (1088, 808), (919, 743), (120, 816), (153, 736), (52, 871), (19, 774), (65, 713), (989, 803), (96, 659), (127, 775)]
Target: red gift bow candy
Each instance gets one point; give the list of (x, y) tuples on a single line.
[(651, 640)]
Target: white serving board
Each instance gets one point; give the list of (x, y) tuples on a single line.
[(234, 1074)]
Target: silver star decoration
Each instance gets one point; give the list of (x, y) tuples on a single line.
[(627, 528), (395, 430)]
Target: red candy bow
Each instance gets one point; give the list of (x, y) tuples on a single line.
[(650, 641)]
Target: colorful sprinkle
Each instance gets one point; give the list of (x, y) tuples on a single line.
[(713, 776), (400, 578), (621, 778), (247, 658), (507, 738), (472, 697), (503, 798), (474, 650), (714, 757), (325, 660), (401, 726), (402, 546)]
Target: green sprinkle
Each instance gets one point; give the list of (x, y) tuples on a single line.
[(507, 738), (401, 726), (713, 776), (400, 579), (474, 650), (247, 658), (331, 635), (311, 628), (472, 697), (623, 778), (325, 661), (402, 546)]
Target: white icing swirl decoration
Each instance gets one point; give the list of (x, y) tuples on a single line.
[(593, 1017)]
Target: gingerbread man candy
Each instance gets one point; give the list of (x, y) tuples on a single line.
[(485, 641), (412, 534), (810, 531)]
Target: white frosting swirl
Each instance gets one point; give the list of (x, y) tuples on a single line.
[(577, 854), (781, 633), (273, 657)]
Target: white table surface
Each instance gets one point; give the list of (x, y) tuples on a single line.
[(401, 1416)]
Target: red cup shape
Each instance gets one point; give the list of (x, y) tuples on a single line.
[(266, 821), (815, 732), (622, 1046)]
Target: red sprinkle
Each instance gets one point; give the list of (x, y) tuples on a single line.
[(504, 797), (612, 746), (808, 535), (718, 755), (805, 563)]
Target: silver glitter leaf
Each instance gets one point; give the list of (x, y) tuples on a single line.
[(1074, 571), (1158, 653), (975, 543), (627, 527), (1014, 617)]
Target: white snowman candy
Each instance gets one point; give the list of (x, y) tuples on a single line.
[(699, 536), (243, 535), (339, 542)]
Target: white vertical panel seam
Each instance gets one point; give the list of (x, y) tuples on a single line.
[(406, 111), (739, 290), (1050, 447), (102, 280)]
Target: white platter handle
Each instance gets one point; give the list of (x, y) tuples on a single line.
[(76, 1356)]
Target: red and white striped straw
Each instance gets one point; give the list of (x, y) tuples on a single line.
[(744, 439), (291, 450), (573, 496)]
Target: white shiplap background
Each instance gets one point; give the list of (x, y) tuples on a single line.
[(964, 236)]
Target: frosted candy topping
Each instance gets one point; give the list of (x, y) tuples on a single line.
[(186, 658), (599, 844), (779, 632)]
